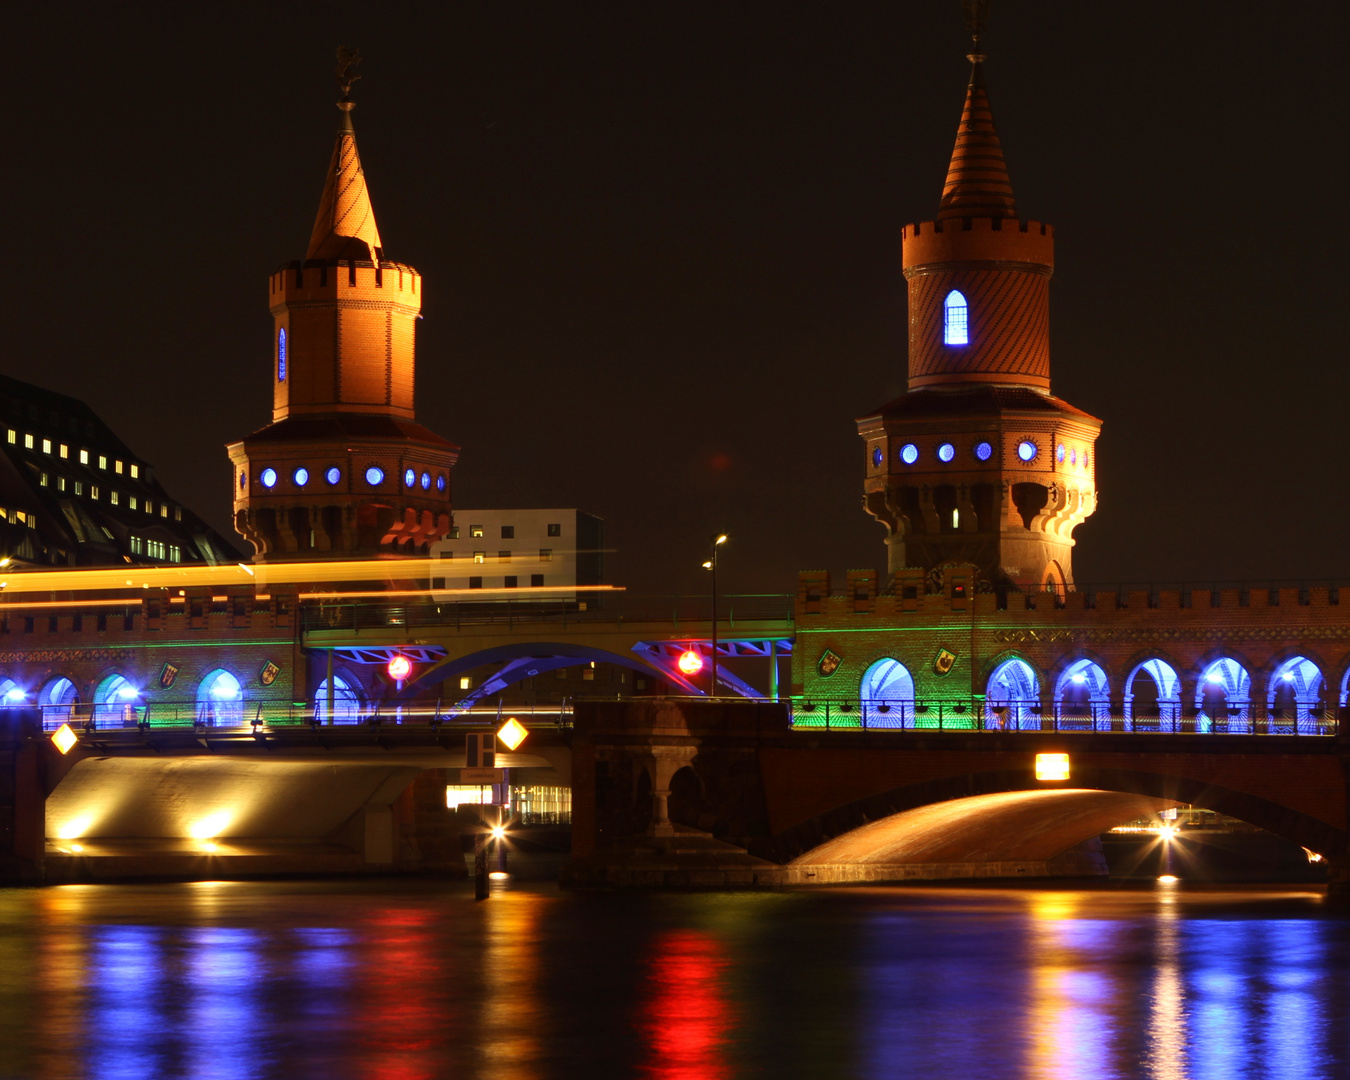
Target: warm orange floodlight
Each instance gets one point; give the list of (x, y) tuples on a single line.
[(64, 738), (1052, 766), (512, 733), (690, 663)]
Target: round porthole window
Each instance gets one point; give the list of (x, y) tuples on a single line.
[(1059, 453), (409, 478), (946, 452), (876, 457), (268, 478), (300, 476), (426, 481), (440, 483), (333, 475), (243, 481), (1027, 450), (909, 453), (984, 451), (374, 476)]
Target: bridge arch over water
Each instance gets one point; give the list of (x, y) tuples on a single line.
[(1008, 816)]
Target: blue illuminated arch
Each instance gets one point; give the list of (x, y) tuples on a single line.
[(346, 702), (1083, 693), (113, 696), (955, 320), (1011, 692), (1222, 693), (281, 355), (1168, 685), (1294, 696), (220, 699), (887, 685)]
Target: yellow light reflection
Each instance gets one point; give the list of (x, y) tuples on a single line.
[(74, 829), (512, 1015), (210, 826)]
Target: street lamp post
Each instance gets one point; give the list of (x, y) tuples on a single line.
[(711, 564)]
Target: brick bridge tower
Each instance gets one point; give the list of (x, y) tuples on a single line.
[(978, 463), (343, 470)]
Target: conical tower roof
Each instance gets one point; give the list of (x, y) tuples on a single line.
[(977, 178), (345, 227)]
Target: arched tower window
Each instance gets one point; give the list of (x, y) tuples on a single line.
[(887, 692), (281, 355), (955, 321), (220, 699), (346, 702)]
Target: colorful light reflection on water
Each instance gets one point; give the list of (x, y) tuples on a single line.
[(403, 981)]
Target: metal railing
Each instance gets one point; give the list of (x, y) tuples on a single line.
[(843, 715)]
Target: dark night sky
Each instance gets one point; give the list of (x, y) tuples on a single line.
[(661, 250)]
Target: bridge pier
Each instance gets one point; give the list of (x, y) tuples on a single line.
[(22, 797)]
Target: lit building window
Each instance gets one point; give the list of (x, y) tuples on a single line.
[(409, 478), (112, 497), (281, 356), (545, 554), (1027, 450), (333, 475), (175, 553), (426, 481), (955, 324), (300, 476), (475, 531), (60, 483), (268, 477), (46, 446), (137, 545), (956, 519), (117, 466), (132, 501), (1060, 453), (63, 450), (93, 491), (42, 479), (163, 510), (102, 461), (877, 455), (178, 513), (465, 682), (480, 556), (79, 488), (909, 453), (28, 442), (243, 480), (84, 454), (13, 436), (440, 483), (984, 451), (135, 469), (454, 532), (374, 476), (946, 452)]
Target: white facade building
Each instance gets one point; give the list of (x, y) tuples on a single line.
[(518, 555)]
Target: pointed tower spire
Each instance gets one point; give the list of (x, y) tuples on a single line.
[(345, 227), (977, 178)]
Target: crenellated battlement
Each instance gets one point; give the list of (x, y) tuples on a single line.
[(344, 279), (927, 244)]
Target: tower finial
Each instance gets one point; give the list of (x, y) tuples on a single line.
[(346, 60), (976, 14)]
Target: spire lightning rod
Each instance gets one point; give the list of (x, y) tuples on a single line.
[(976, 14)]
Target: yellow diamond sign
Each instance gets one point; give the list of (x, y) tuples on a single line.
[(64, 738), (512, 733)]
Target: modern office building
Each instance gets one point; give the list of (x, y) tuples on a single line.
[(519, 555)]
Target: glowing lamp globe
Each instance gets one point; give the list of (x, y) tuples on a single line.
[(400, 667), (690, 663)]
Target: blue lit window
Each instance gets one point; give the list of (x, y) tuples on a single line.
[(946, 452), (268, 478), (426, 481), (984, 451), (243, 480), (1073, 457), (909, 453), (333, 475), (1027, 450), (440, 483), (374, 476), (300, 476), (1059, 453), (1085, 459), (281, 356), (876, 456), (955, 324)]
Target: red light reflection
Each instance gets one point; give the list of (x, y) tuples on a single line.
[(687, 1015)]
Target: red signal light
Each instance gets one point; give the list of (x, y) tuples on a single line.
[(690, 663), (400, 667)]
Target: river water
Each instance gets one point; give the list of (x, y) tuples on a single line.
[(398, 980)]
